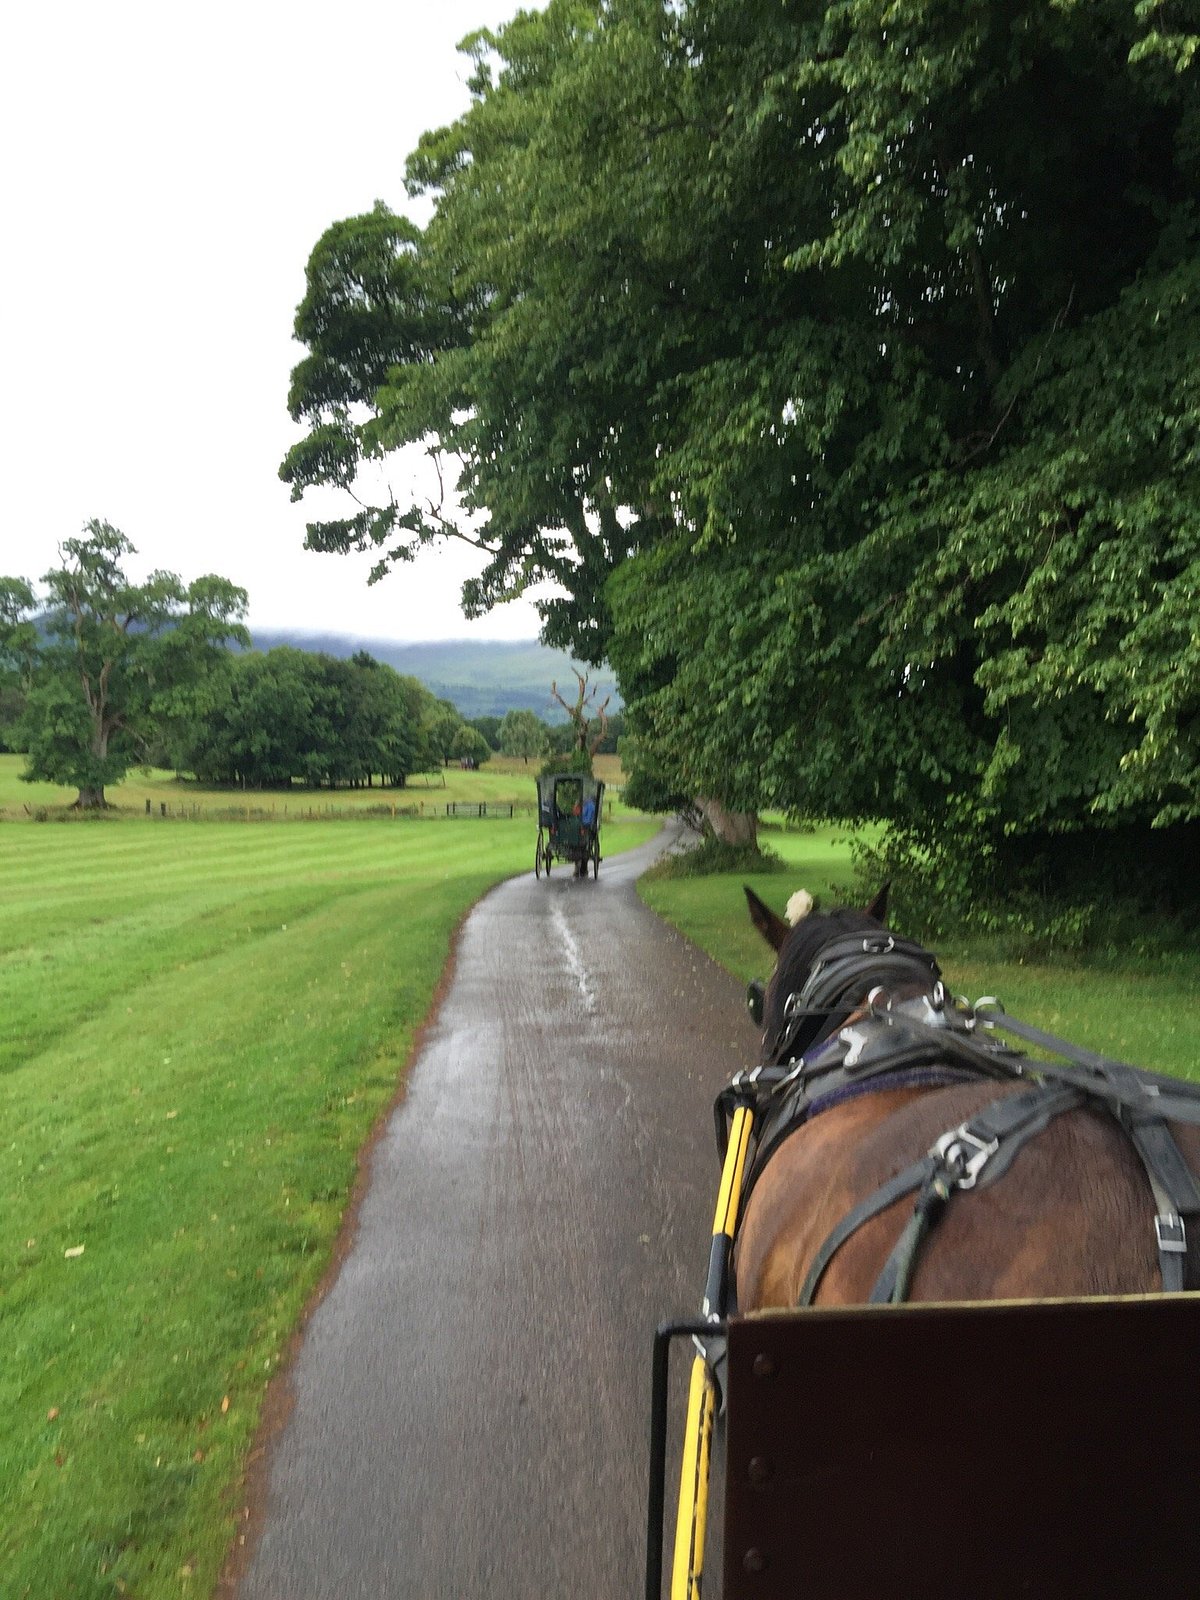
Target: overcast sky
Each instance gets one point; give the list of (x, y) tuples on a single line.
[(166, 171)]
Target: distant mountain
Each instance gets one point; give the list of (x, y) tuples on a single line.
[(483, 677)]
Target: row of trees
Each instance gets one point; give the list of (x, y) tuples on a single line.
[(98, 674), (840, 362)]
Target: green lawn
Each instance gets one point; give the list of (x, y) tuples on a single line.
[(198, 1027), (1146, 1010)]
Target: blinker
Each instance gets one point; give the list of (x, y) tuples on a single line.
[(756, 994)]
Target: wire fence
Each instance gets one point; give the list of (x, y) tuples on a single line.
[(301, 811), (290, 811)]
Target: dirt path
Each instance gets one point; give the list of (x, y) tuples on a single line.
[(471, 1396)]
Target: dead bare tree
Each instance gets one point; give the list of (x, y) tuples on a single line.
[(589, 721)]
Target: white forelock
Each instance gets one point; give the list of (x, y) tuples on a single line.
[(799, 906)]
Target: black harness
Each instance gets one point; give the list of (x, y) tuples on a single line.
[(847, 969), (819, 1059)]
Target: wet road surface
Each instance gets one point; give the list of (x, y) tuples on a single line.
[(472, 1394)]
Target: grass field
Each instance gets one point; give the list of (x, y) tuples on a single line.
[(1142, 1010), (504, 780), (198, 1027)]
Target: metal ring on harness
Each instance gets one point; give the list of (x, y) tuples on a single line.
[(964, 1155)]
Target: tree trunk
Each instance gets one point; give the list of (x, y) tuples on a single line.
[(91, 800), (730, 827)]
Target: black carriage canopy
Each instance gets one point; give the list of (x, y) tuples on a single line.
[(569, 795)]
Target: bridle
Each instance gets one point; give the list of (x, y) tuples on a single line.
[(847, 970)]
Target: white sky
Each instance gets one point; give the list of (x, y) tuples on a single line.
[(166, 171)]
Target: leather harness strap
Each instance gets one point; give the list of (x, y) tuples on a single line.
[(957, 1160), (1005, 1123)]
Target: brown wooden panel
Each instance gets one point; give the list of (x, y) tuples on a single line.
[(1047, 1449)]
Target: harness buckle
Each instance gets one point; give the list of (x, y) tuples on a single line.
[(964, 1154), (976, 1017), (1171, 1234)]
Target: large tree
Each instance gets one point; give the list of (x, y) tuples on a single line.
[(114, 659), (840, 362), (941, 530)]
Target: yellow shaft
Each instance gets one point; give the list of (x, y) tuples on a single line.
[(687, 1569), (730, 1193)]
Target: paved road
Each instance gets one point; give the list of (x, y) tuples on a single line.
[(471, 1396)]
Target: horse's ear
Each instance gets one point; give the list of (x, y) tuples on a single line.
[(773, 929), (878, 906)]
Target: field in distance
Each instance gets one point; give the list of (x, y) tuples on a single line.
[(199, 1025), (504, 780)]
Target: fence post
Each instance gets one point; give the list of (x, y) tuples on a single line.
[(147, 808), (163, 807)]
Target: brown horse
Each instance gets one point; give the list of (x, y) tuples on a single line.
[(1072, 1212)]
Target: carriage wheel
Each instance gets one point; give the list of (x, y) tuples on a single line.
[(537, 859), (596, 859)]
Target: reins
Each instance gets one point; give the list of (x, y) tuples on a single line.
[(820, 1058)]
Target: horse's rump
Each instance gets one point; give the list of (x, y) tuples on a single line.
[(1070, 1217)]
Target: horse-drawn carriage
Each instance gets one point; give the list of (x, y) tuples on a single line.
[(570, 807), (953, 1350)]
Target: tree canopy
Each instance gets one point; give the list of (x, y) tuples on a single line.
[(523, 734), (18, 653), (268, 719), (840, 362)]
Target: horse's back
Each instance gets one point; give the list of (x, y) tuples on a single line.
[(1072, 1215)]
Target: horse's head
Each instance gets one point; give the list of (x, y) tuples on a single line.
[(826, 964)]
